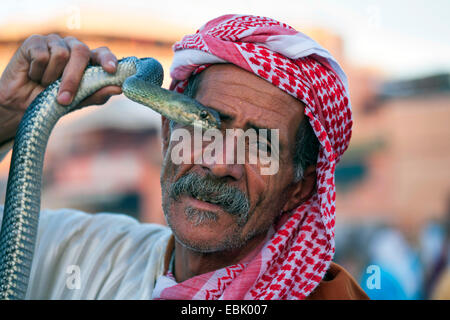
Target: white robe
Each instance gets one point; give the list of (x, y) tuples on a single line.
[(116, 256)]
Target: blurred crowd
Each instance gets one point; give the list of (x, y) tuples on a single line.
[(404, 269)]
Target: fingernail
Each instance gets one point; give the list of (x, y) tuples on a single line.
[(65, 97), (112, 63)]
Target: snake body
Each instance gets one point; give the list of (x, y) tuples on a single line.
[(141, 81)]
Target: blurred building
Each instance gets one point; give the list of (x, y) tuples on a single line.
[(104, 158), (401, 159), (112, 163), (395, 172)]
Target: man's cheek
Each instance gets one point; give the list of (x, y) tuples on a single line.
[(171, 171), (256, 183)]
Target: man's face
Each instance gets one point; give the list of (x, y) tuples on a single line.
[(244, 101)]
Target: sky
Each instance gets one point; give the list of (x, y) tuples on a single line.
[(402, 38)]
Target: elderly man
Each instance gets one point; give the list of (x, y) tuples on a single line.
[(235, 233)]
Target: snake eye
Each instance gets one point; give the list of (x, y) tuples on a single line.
[(203, 114)]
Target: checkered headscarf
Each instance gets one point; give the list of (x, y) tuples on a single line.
[(294, 260)]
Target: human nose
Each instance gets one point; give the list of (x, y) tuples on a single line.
[(220, 159)]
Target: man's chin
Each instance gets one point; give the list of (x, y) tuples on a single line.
[(198, 246), (202, 226), (209, 245), (205, 233)]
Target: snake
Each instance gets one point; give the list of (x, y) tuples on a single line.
[(140, 80)]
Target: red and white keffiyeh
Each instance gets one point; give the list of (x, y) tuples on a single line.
[(298, 252)]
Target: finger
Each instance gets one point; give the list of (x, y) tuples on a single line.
[(104, 57), (59, 56), (101, 96), (74, 70), (36, 52)]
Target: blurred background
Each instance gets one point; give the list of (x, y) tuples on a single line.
[(393, 184)]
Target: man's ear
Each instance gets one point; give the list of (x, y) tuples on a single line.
[(165, 133), (302, 190)]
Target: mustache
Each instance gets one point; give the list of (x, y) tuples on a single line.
[(213, 190)]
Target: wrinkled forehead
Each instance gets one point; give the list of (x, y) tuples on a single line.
[(248, 100)]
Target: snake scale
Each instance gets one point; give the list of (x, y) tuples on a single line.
[(141, 81)]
